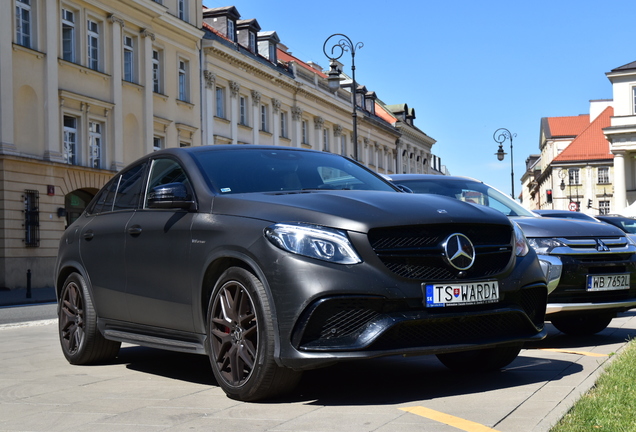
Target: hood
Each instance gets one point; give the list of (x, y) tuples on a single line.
[(355, 210), (558, 227)]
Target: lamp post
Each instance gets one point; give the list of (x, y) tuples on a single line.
[(500, 136), (343, 45)]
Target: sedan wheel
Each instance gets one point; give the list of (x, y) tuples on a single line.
[(81, 341), (241, 339)]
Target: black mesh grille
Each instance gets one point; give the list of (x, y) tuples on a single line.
[(416, 252)]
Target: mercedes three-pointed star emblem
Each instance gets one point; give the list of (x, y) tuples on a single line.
[(459, 251)]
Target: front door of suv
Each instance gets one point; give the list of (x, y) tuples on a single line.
[(158, 242)]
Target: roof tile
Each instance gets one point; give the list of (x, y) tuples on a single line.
[(591, 143)]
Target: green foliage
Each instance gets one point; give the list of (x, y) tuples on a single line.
[(609, 406)]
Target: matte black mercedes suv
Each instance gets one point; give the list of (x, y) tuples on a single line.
[(590, 266), (273, 260)]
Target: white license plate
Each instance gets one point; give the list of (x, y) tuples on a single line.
[(607, 282), (441, 295)]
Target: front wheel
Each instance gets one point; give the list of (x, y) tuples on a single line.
[(481, 360), (81, 341), (241, 339), (582, 325)]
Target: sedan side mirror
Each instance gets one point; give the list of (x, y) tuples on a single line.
[(170, 196)]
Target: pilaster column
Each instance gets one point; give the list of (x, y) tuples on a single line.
[(234, 110), (256, 105), (209, 110), (148, 126), (117, 123), (276, 120), (319, 123), (297, 116), (620, 189), (7, 142)]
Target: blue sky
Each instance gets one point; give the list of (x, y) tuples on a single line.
[(468, 67)]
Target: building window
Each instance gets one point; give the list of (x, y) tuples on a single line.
[(184, 144), (95, 144), (283, 124), (220, 102), (634, 99), (157, 143), (252, 42), (573, 176), (93, 45), (23, 22), (603, 175), (243, 110), (129, 59), (31, 218), (604, 207), (183, 80), (264, 118), (305, 139), (325, 140), (231, 30), (70, 140), (156, 72), (182, 10), (68, 35)]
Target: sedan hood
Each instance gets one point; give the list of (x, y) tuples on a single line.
[(556, 227), (354, 210)]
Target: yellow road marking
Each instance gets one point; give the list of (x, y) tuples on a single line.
[(584, 353), (456, 422)]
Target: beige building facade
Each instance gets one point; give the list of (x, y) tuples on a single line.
[(86, 87)]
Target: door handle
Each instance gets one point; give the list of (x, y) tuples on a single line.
[(134, 230), (88, 235)]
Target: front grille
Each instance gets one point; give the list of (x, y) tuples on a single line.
[(416, 252)]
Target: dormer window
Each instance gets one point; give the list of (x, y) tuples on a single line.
[(267, 42), (246, 34), (231, 30), (252, 44)]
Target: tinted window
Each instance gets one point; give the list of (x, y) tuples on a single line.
[(130, 187), (166, 171), (267, 170)]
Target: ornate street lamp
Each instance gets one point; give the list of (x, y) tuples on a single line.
[(343, 45), (500, 136)]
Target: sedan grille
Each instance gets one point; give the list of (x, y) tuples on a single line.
[(416, 252)]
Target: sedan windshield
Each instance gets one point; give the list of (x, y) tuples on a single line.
[(469, 191), (247, 170)]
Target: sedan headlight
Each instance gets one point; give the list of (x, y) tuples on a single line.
[(543, 246), (313, 241), (521, 244)]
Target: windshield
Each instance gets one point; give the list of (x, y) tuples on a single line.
[(247, 170), (469, 191)]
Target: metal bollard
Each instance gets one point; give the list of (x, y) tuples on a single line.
[(28, 293)]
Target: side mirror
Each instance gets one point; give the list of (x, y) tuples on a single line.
[(170, 196), (404, 188)]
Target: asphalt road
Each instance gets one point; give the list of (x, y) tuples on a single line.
[(153, 390), (17, 314)]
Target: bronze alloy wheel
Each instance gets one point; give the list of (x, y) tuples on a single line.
[(72, 318), (234, 330)]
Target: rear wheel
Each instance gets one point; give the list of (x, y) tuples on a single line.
[(582, 325), (482, 360), (241, 339), (81, 341)]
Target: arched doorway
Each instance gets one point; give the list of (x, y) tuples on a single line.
[(75, 203)]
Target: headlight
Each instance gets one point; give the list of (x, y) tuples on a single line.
[(521, 244), (313, 241), (543, 246)]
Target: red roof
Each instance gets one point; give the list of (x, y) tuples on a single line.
[(590, 144), (568, 126), (287, 57)]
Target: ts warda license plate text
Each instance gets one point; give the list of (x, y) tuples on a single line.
[(607, 282), (440, 295)]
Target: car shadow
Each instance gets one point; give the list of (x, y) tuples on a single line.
[(386, 380)]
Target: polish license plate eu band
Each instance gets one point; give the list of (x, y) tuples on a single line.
[(608, 282), (441, 295)]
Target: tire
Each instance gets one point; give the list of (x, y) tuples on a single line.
[(240, 335), (81, 341), (482, 360), (582, 325)]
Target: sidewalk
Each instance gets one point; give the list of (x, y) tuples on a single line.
[(16, 297)]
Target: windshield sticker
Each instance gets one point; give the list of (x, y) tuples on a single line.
[(224, 190)]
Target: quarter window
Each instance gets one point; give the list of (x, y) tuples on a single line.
[(23, 22), (68, 35)]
